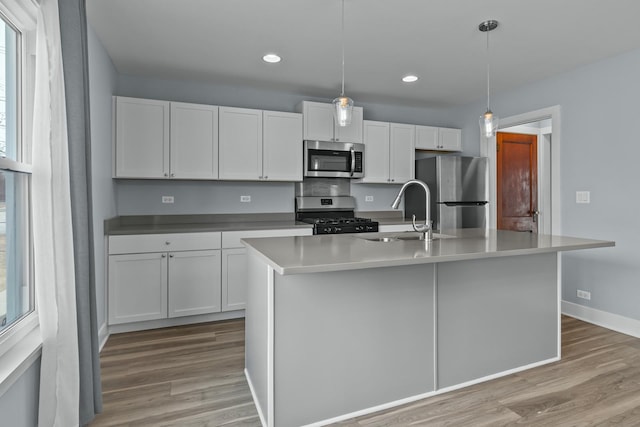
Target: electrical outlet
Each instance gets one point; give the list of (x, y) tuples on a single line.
[(368, 198), (245, 199), (167, 199), (583, 197), (584, 294)]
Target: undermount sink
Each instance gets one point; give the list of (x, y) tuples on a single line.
[(395, 237)]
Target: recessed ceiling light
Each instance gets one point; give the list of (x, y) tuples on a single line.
[(271, 58), (410, 79)]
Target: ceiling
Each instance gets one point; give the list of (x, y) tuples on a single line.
[(223, 41)]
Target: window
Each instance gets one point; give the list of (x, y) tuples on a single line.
[(16, 290)]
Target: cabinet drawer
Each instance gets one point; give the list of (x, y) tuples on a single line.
[(139, 243), (231, 239)]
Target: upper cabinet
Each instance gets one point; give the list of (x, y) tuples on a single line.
[(438, 139), (194, 141), (161, 139), (142, 138), (389, 152), (258, 145), (240, 143), (320, 125)]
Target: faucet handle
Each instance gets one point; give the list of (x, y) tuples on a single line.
[(421, 228)]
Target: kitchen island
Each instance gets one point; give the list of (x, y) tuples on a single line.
[(342, 325)]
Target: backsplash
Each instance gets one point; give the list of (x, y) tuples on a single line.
[(144, 197)]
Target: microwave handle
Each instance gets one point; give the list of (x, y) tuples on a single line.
[(353, 161)]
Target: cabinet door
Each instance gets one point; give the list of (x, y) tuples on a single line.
[(142, 138), (427, 138), (282, 146), (401, 152), (450, 139), (318, 121), (353, 132), (240, 144), (376, 152), (194, 282), (234, 279), (194, 141), (137, 287)]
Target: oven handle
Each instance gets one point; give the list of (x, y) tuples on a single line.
[(353, 160)]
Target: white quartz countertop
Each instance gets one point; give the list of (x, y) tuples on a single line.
[(313, 254)]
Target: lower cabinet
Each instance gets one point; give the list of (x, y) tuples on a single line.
[(151, 286), (161, 276), (234, 278), (194, 283)]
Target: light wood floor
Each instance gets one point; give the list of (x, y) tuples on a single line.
[(193, 376)]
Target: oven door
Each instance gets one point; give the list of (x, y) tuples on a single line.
[(333, 159)]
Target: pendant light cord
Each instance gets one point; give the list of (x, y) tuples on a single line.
[(488, 73), (342, 38)]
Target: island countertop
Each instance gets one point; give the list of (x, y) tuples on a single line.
[(313, 254)]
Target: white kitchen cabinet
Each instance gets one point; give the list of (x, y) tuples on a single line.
[(194, 141), (234, 279), (194, 283), (142, 138), (234, 263), (161, 139), (319, 123), (137, 287), (240, 140), (159, 276), (438, 139), (401, 152), (258, 145), (281, 146), (389, 152)]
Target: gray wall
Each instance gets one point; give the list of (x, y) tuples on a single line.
[(19, 404), (599, 153), (102, 84)]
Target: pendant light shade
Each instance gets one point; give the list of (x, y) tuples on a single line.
[(488, 121), (343, 105)]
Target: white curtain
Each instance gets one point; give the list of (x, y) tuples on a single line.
[(53, 240)]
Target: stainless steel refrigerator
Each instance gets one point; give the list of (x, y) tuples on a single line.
[(459, 189)]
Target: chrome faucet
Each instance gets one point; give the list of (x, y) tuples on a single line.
[(425, 229)]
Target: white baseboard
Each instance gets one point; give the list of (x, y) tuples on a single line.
[(255, 398), (175, 321), (103, 335), (615, 322)]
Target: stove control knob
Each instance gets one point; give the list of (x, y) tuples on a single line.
[(359, 228), (337, 229)]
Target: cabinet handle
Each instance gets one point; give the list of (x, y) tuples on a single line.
[(171, 256), (166, 174), (172, 175), (164, 255), (167, 242), (265, 177)]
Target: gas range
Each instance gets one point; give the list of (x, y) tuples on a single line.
[(332, 215)]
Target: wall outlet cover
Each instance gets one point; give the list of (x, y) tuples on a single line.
[(167, 199), (583, 197), (368, 198), (245, 199), (584, 294)]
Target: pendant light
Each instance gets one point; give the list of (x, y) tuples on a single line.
[(343, 105), (488, 121)]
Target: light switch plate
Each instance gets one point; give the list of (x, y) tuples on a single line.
[(583, 197)]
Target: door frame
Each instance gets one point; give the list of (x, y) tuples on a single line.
[(488, 149)]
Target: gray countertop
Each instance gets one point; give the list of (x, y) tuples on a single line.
[(312, 254), (158, 224)]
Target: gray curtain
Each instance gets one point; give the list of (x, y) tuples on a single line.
[(73, 33)]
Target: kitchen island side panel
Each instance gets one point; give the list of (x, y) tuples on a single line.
[(496, 314), (351, 340), (257, 332)]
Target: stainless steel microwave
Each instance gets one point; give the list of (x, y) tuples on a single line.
[(333, 159)]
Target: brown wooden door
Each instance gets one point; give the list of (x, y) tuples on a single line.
[(517, 181)]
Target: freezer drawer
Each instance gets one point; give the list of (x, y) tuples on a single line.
[(460, 216)]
